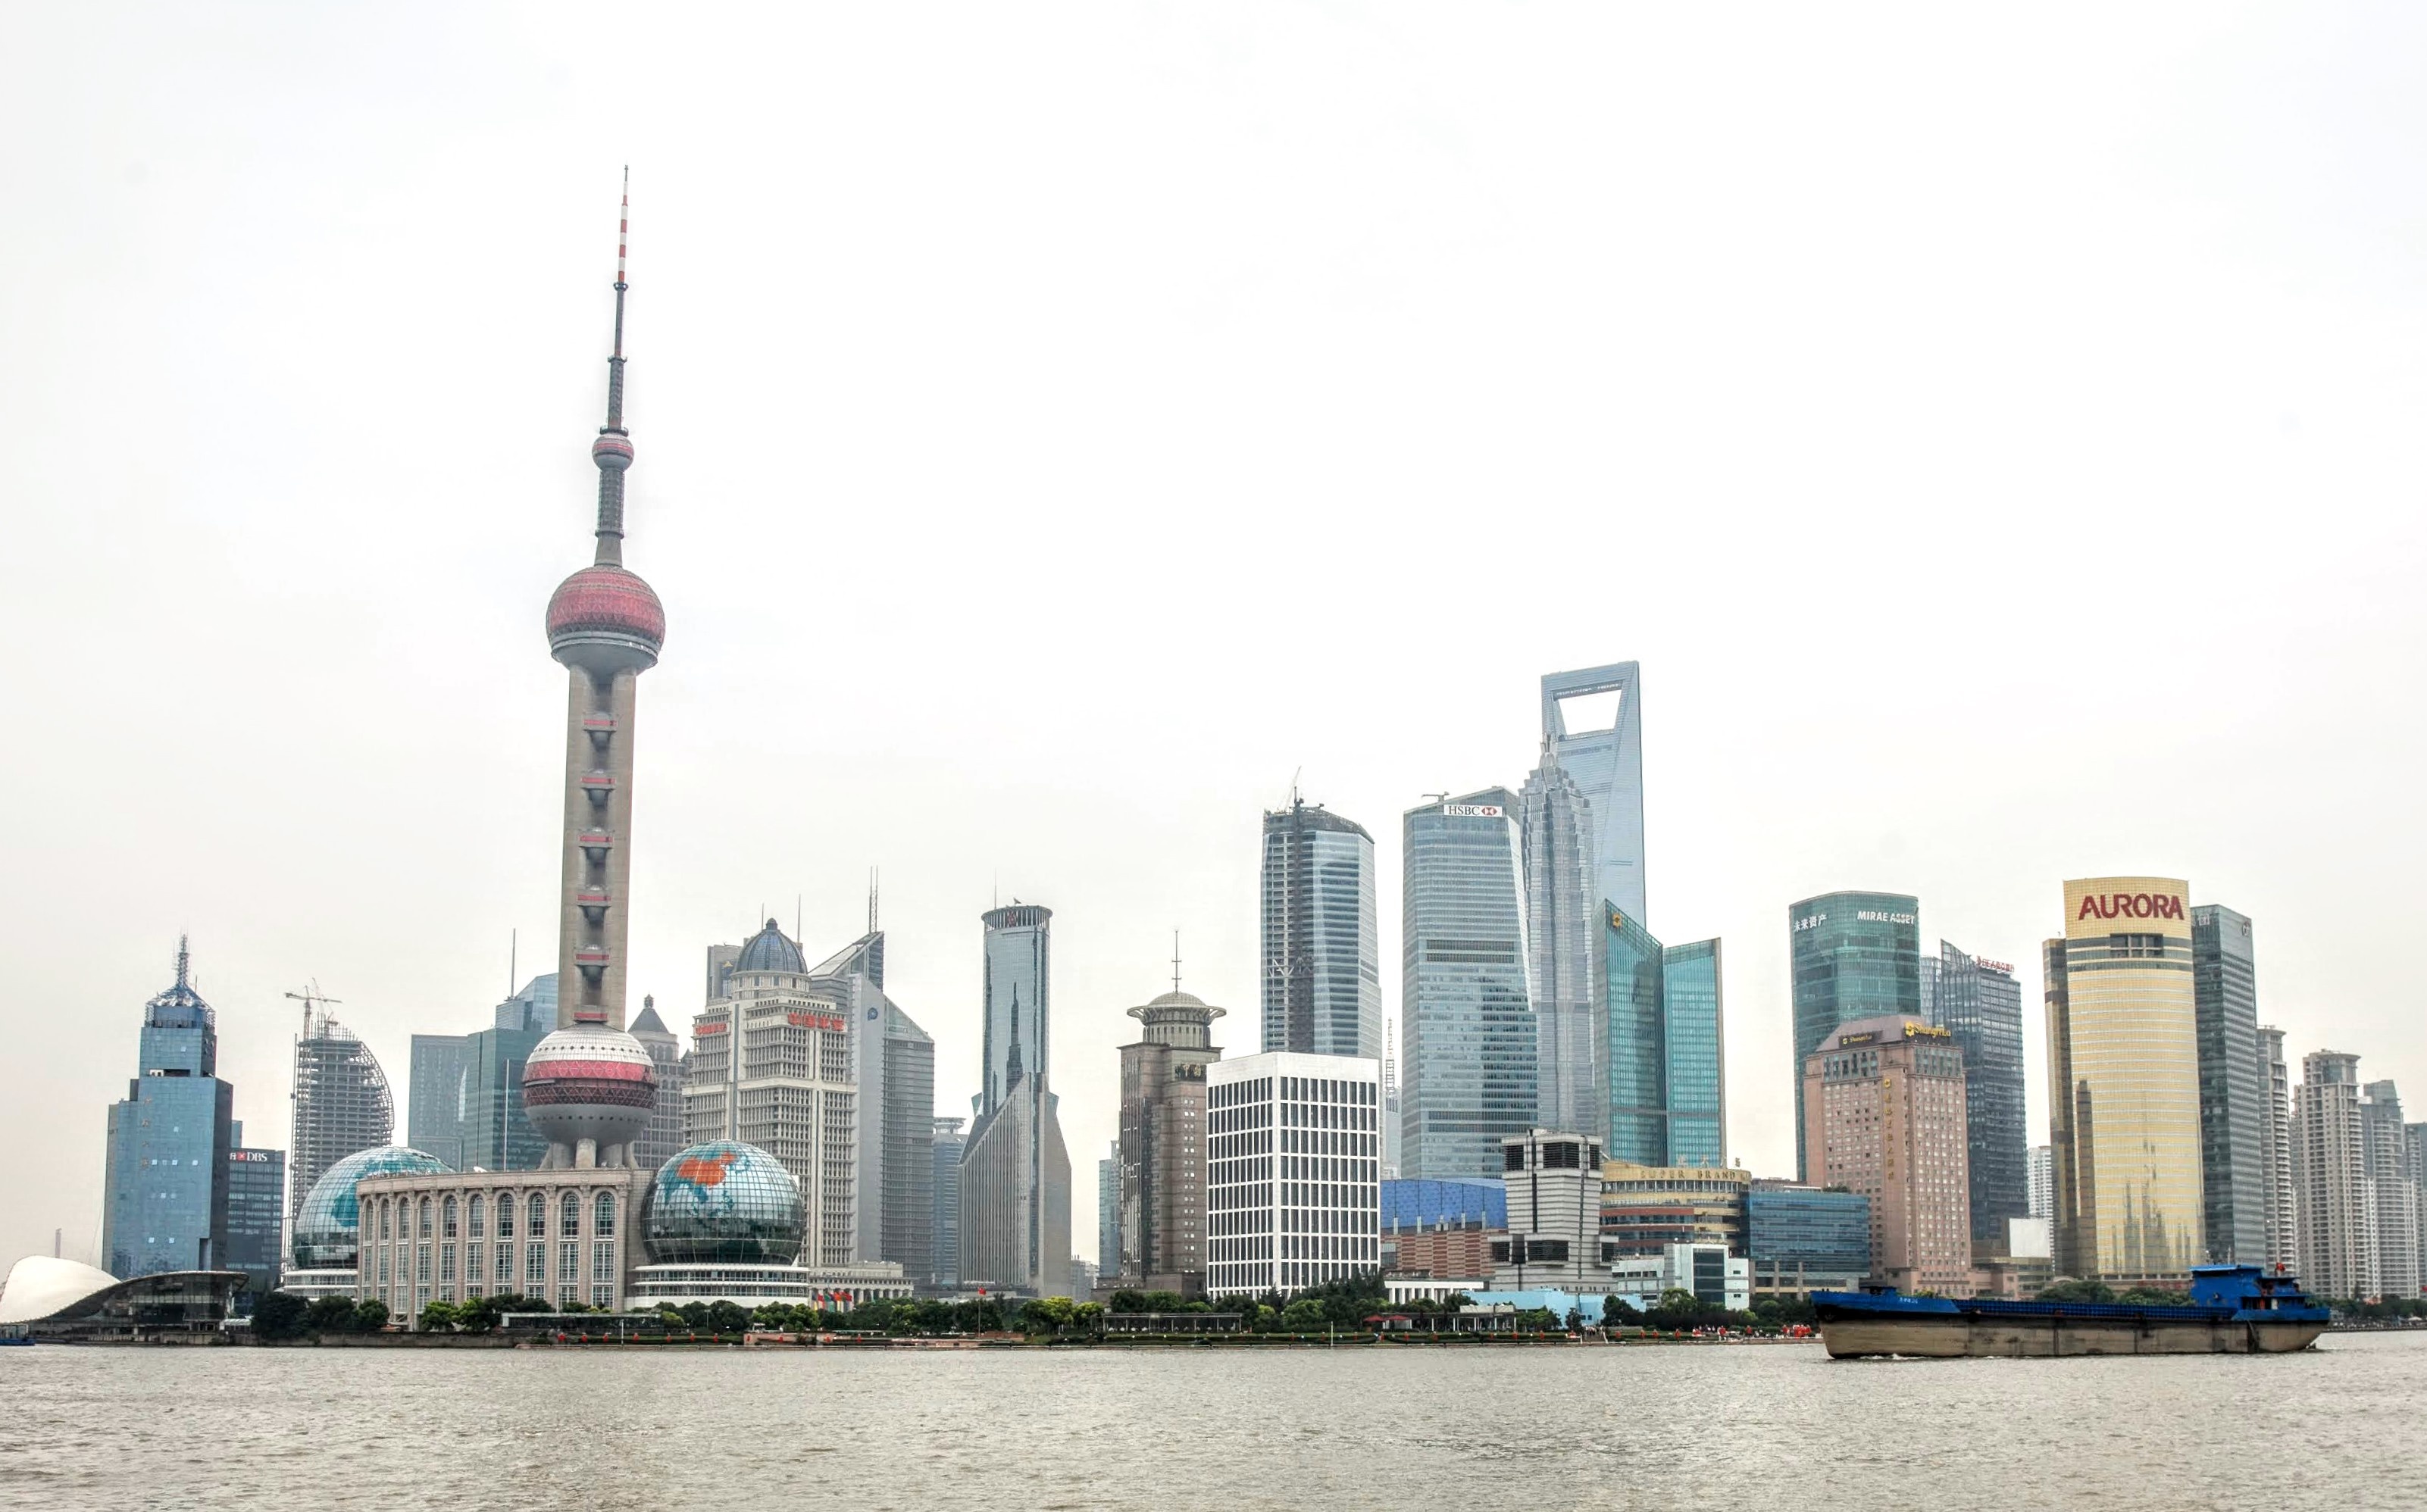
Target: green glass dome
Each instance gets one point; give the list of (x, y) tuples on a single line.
[(326, 1227), (724, 1203)]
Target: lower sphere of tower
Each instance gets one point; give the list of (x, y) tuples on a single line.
[(589, 1083)]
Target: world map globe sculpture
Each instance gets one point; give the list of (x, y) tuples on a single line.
[(328, 1227), (724, 1203)]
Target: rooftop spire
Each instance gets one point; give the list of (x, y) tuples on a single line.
[(182, 961), (613, 451)]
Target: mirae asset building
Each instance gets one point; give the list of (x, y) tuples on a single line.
[(2124, 1078)]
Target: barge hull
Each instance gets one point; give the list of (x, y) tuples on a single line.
[(1984, 1338)]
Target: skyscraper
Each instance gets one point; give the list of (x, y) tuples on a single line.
[(340, 1102), (948, 1144), (1563, 911), (2393, 1190), (2042, 1198), (589, 1087), (1472, 1050), (1015, 1171), (1979, 1003), (1163, 1145), (663, 1139), (2124, 1084), (165, 1192), (496, 1136), (1604, 759), (772, 1067), (2275, 1153), (2337, 1219), (1885, 1103), (1323, 969), (256, 1209), (434, 1108), (1853, 955), (1108, 1213), (1660, 1045), (2232, 1086), (895, 1067)]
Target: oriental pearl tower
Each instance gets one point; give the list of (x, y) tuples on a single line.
[(587, 1087)]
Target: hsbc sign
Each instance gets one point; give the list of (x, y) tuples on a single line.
[(2130, 905)]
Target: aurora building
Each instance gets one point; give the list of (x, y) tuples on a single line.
[(1471, 1049), (2124, 1084)]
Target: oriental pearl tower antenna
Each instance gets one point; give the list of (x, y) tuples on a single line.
[(589, 1087)]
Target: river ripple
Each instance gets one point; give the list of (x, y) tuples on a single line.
[(1749, 1428)]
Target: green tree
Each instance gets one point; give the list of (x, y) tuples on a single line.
[(1088, 1318), (280, 1315), (727, 1317), (477, 1316), (1047, 1316), (437, 1317), (370, 1316), (1303, 1314), (2073, 1291), (330, 1316), (1129, 1300)]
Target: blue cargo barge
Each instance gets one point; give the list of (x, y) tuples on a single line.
[(2231, 1310)]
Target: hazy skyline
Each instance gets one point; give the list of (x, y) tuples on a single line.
[(1996, 438)]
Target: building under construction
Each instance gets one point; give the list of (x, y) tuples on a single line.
[(341, 1099)]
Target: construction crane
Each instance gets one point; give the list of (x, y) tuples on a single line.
[(309, 995)]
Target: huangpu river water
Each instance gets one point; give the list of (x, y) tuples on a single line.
[(1765, 1428)]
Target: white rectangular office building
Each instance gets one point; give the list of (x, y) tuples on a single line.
[(1293, 1171)]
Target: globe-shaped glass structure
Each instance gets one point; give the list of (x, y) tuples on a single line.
[(327, 1228), (724, 1203)]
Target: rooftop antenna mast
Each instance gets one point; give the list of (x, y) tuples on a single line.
[(1175, 960), (183, 959), (871, 899)]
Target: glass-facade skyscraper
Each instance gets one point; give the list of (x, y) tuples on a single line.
[(1015, 1173), (1661, 1045), (434, 1108), (1471, 1053), (256, 1220), (1322, 962), (1603, 757), (1980, 1003), (2123, 1108), (1563, 909), (166, 1200), (1853, 955), (2234, 1092)]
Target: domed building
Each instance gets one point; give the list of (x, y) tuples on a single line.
[(726, 1222), (327, 1238), (773, 1068)]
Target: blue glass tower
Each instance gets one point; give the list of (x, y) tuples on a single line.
[(166, 1203), (1471, 1048), (1854, 955), (1661, 1036)]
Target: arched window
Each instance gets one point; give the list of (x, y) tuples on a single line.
[(382, 1216), (424, 1217), (506, 1217), (447, 1219), (474, 1214), (538, 1213), (572, 1228), (603, 1224)]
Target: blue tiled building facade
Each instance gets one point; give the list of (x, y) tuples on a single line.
[(166, 1202)]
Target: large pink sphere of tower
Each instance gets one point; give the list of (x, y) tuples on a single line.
[(606, 619), (591, 1083)]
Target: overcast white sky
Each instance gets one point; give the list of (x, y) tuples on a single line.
[(1998, 437)]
